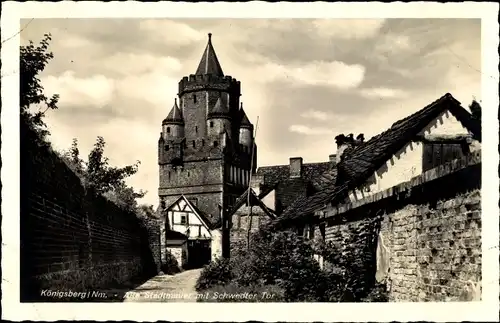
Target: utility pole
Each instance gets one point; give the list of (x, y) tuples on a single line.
[(249, 231)]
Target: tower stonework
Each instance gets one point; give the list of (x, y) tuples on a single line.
[(205, 147)]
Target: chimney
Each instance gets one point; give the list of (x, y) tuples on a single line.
[(256, 182), (332, 157), (295, 167)]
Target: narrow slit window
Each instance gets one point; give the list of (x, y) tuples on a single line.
[(196, 129), (194, 144), (194, 98)]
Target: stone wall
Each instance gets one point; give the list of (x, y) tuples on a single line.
[(72, 239), (422, 239), (240, 222)]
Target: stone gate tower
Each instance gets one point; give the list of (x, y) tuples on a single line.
[(205, 146)]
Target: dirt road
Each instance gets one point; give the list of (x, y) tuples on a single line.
[(166, 288)]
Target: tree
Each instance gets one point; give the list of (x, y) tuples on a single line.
[(146, 211), (33, 60), (96, 173)]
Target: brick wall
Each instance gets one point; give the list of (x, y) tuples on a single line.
[(71, 238), (434, 253), (422, 239)]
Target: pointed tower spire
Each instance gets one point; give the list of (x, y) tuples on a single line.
[(244, 122), (175, 115), (209, 63), (220, 109)]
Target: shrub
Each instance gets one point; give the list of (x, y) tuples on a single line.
[(279, 258), (377, 294), (217, 272), (171, 266)]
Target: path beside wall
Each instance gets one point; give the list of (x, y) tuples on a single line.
[(71, 239), (421, 238)]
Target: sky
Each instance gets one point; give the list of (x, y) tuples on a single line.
[(306, 80)]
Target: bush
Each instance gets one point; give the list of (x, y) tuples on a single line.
[(377, 294), (281, 258), (284, 261), (171, 266), (217, 272)]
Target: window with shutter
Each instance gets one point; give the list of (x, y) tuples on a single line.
[(436, 154)]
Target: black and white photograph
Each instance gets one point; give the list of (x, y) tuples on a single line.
[(314, 160)]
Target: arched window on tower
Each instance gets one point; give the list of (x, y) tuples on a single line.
[(211, 124), (167, 147), (168, 129), (216, 144)]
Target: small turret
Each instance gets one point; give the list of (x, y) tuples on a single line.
[(219, 118), (173, 125), (246, 129)]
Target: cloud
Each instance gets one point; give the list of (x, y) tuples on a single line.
[(134, 64), (348, 28), (173, 32), (96, 90), (336, 74), (383, 93), (393, 43), (305, 130), (315, 114)]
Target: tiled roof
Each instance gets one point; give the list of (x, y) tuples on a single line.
[(289, 189), (209, 64), (366, 158), (175, 115), (244, 122), (221, 108), (275, 174)]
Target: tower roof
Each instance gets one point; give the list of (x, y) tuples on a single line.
[(244, 122), (175, 115), (209, 63), (221, 108)]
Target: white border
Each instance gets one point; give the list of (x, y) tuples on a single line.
[(486, 310)]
